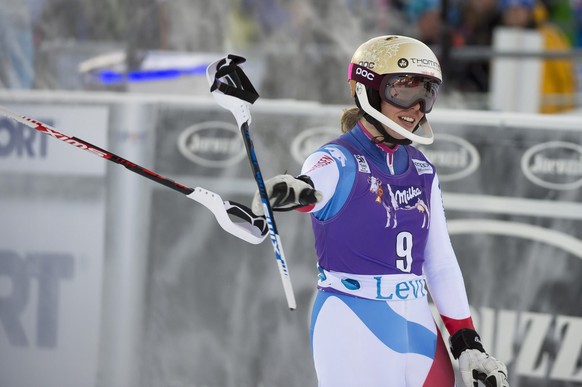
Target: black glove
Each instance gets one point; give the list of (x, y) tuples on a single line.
[(287, 193)]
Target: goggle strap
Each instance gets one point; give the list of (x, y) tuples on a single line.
[(364, 76)]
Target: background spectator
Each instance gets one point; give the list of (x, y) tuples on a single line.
[(558, 86), (479, 19), (426, 24), (560, 12)]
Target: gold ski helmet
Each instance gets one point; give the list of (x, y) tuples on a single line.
[(399, 70)]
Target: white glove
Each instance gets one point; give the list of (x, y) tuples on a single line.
[(476, 365), (286, 193)]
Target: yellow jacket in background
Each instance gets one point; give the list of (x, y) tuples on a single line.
[(559, 85)]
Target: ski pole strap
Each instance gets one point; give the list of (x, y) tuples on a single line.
[(237, 83), (465, 339), (243, 212)]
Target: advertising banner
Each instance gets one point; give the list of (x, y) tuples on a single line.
[(514, 206), (213, 310), (25, 150), (50, 303), (52, 246), (217, 315)]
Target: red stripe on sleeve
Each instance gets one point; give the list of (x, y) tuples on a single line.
[(453, 325), (305, 208)]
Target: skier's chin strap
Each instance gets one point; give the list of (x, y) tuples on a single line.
[(385, 137)]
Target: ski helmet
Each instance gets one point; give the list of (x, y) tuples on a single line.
[(401, 71)]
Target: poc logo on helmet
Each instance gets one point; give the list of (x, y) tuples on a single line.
[(365, 73), (369, 65)]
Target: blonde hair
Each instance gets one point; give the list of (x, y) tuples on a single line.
[(350, 118)]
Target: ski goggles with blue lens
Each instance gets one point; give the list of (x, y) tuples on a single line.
[(405, 91)]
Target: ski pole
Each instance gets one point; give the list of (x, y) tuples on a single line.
[(252, 228), (232, 89)]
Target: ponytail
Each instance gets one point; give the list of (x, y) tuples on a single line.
[(350, 118)]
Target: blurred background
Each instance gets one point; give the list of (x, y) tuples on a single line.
[(298, 50), (110, 280)]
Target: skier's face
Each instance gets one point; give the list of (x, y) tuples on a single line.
[(407, 118)]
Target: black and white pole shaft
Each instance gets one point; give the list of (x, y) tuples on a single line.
[(232, 90)]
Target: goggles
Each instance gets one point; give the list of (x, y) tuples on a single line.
[(406, 91)]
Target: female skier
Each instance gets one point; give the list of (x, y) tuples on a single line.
[(381, 237)]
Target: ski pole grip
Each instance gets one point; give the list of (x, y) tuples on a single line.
[(237, 83)]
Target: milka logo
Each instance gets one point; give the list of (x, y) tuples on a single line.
[(212, 144), (403, 197), (454, 157), (554, 165)]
